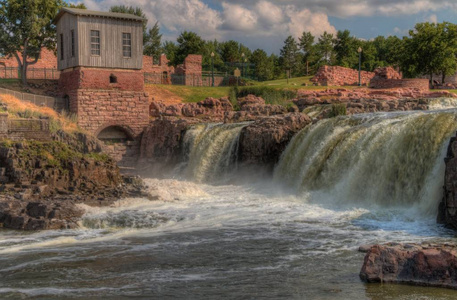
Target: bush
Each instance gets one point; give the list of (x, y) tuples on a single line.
[(338, 109)]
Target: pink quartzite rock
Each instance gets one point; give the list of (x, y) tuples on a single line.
[(425, 265)]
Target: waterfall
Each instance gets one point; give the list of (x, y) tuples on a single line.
[(211, 151), (389, 159)]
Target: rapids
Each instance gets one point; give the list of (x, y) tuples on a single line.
[(341, 183)]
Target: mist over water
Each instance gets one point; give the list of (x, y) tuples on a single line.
[(341, 183)]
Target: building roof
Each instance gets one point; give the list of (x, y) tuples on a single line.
[(93, 13)]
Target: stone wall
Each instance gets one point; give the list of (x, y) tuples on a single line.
[(420, 84), (24, 129), (340, 76), (191, 70), (47, 60), (95, 78), (98, 109)]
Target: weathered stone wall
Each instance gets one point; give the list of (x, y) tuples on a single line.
[(24, 129), (95, 78), (420, 84), (191, 70), (98, 109), (47, 60), (340, 76)]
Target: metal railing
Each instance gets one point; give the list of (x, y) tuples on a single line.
[(32, 73), (55, 103)]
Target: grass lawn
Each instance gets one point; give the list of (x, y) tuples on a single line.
[(196, 93)]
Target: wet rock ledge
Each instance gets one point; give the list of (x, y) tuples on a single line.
[(41, 183), (422, 265)]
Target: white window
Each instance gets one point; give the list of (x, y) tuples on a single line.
[(95, 42), (127, 44)]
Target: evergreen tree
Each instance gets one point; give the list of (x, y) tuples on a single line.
[(152, 47), (289, 58), (346, 49), (325, 49), (306, 42), (264, 67)]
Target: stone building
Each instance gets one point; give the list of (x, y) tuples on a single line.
[(100, 56)]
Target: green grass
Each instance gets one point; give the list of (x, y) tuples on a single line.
[(196, 93)]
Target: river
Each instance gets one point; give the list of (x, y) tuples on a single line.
[(340, 184)]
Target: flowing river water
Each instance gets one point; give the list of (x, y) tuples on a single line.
[(341, 183)]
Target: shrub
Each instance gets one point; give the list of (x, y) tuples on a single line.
[(338, 109)]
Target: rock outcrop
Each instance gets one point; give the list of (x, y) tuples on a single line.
[(447, 212), (424, 265), (262, 142), (161, 141)]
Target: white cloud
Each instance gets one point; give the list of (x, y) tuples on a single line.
[(237, 17), (305, 20), (269, 12), (432, 19)]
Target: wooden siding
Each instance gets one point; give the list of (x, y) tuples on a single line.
[(66, 24), (111, 55)]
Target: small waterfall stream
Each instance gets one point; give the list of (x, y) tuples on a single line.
[(211, 151)]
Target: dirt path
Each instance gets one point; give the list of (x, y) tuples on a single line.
[(156, 93)]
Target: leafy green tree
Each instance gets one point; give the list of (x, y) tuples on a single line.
[(137, 11), (289, 55), (25, 28), (188, 43), (325, 49), (152, 47), (431, 49), (306, 43), (369, 56), (346, 49), (78, 5), (170, 49)]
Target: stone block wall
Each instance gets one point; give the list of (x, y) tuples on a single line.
[(96, 78), (340, 76), (420, 84), (191, 70), (98, 109)]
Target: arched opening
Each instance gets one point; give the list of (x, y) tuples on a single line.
[(112, 79), (165, 77), (114, 134)]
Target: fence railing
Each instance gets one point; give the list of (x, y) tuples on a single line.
[(32, 73), (55, 103)]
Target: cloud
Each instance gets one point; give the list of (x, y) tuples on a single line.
[(305, 20), (237, 17), (432, 19)]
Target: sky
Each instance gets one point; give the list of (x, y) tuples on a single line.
[(266, 24)]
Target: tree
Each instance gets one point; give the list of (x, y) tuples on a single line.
[(306, 42), (431, 49), (264, 67), (137, 11), (289, 55), (188, 43), (346, 49), (170, 49), (231, 51), (325, 49), (25, 28), (152, 46), (78, 5)]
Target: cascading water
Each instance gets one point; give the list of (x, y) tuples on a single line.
[(211, 150), (390, 159)]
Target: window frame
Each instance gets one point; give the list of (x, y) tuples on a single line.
[(93, 45), (127, 47), (62, 48), (73, 46)]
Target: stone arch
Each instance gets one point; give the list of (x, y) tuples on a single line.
[(115, 131)]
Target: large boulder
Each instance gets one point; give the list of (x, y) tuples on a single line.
[(262, 142), (424, 265)]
